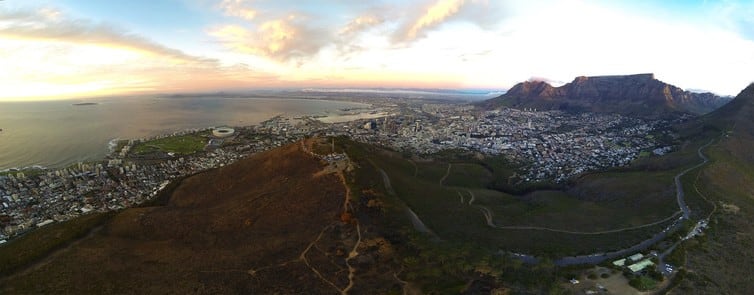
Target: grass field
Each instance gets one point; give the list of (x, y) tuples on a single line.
[(468, 175), (28, 172), (183, 144), (592, 204)]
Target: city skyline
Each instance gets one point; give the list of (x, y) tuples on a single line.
[(71, 48)]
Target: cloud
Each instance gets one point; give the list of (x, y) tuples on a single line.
[(238, 8), (482, 13), (348, 35), (433, 17), (46, 54), (342, 29), (359, 25), (283, 39), (50, 24)]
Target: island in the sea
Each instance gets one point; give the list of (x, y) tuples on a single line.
[(85, 103)]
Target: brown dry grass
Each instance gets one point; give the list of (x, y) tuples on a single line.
[(241, 229)]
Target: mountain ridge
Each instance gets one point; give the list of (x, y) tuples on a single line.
[(271, 223), (638, 94), (720, 263)]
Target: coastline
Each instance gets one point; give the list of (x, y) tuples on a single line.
[(56, 133)]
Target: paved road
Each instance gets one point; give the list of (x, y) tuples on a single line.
[(583, 259), (488, 216), (600, 257), (679, 187)]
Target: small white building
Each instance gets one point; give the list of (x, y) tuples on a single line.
[(636, 257), (46, 222), (638, 267)]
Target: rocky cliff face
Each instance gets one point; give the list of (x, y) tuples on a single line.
[(640, 94)]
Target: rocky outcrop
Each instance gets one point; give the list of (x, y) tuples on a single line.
[(640, 94)]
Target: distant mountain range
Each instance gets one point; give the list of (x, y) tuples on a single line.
[(640, 95)]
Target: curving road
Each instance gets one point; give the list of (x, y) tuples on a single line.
[(487, 213), (582, 259), (679, 187), (600, 257)]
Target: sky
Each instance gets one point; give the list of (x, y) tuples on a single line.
[(54, 49)]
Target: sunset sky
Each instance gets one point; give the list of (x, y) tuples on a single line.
[(79, 48)]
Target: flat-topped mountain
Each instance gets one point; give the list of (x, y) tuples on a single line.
[(640, 95)]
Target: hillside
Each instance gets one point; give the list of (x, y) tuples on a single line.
[(286, 222), (640, 95), (722, 262), (273, 223)]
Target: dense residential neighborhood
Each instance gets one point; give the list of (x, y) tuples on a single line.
[(551, 145)]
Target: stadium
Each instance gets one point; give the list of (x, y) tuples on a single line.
[(222, 132)]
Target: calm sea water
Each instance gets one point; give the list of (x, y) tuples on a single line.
[(58, 133)]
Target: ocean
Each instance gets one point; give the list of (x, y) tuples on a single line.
[(58, 133)]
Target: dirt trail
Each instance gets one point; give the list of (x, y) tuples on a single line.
[(408, 287), (447, 173), (351, 255), (306, 146), (354, 252), (302, 257), (485, 211)]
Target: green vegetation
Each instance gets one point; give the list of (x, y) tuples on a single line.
[(448, 267), (440, 267), (28, 172), (120, 144), (643, 283), (183, 144), (445, 208), (468, 175), (468, 247), (38, 243)]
